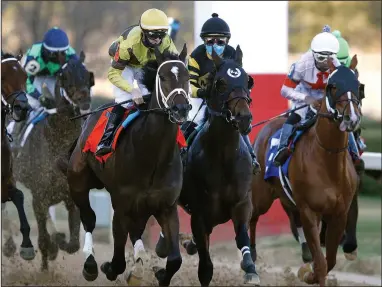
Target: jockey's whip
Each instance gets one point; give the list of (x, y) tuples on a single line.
[(105, 108), (280, 115)]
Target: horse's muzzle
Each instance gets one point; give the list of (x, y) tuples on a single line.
[(243, 123), (179, 112), (20, 107)]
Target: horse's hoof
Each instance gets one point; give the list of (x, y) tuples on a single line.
[(9, 248), (27, 253), (351, 256), (90, 270), (161, 248), (72, 248), (304, 271), (306, 254), (133, 280), (251, 279), (108, 271), (160, 274)]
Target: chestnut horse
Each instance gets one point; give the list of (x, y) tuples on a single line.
[(15, 103), (321, 173)]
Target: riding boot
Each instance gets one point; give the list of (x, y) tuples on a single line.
[(282, 151), (105, 144), (255, 164)]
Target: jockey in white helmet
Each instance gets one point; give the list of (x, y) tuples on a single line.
[(305, 84)]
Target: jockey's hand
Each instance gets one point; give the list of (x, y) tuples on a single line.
[(202, 93), (137, 96), (46, 101), (312, 101)]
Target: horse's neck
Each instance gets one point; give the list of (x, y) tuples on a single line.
[(221, 136), (3, 116), (328, 137)]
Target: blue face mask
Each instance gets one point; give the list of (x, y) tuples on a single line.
[(218, 49)]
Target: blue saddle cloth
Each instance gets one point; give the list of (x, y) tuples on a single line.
[(270, 169)]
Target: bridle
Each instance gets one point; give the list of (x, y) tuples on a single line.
[(162, 99), (225, 112), (6, 107)]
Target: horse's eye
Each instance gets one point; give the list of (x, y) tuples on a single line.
[(161, 78), (221, 85)]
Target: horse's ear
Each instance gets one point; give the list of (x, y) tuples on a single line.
[(331, 65), (20, 55), (159, 57), (82, 57), (183, 54), (353, 63), (91, 79), (216, 59), (239, 56)]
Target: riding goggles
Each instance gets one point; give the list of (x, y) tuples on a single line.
[(322, 56), (157, 34), (218, 41)]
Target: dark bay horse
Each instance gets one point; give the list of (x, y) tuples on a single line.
[(321, 172), (15, 103), (35, 166), (218, 172), (143, 175)]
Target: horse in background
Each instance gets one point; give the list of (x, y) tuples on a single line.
[(321, 180), (15, 103), (48, 135)]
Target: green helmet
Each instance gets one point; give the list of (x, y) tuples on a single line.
[(343, 54)]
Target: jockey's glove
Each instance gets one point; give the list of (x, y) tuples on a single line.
[(46, 101), (202, 93), (137, 96)]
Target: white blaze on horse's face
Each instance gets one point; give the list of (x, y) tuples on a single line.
[(175, 71)]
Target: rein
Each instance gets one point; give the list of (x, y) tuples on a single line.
[(162, 99)]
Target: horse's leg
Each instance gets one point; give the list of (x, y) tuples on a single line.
[(88, 219), (240, 217), (168, 219), (27, 250), (252, 236), (74, 222), (309, 223), (306, 254), (334, 232), (46, 246), (9, 247), (202, 240), (118, 263), (136, 229), (350, 244)]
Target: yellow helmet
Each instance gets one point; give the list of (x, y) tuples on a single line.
[(154, 19)]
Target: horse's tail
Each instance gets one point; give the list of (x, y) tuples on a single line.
[(63, 161)]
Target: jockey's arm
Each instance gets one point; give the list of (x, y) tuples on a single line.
[(31, 67), (194, 70), (288, 90), (118, 64)]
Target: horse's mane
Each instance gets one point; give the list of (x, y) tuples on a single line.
[(150, 71)]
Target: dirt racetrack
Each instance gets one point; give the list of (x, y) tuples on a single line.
[(276, 267)]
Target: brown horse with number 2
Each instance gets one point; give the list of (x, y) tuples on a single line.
[(321, 173)]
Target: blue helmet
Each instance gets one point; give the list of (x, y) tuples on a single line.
[(55, 40)]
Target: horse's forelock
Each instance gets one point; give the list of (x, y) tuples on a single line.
[(150, 70)]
